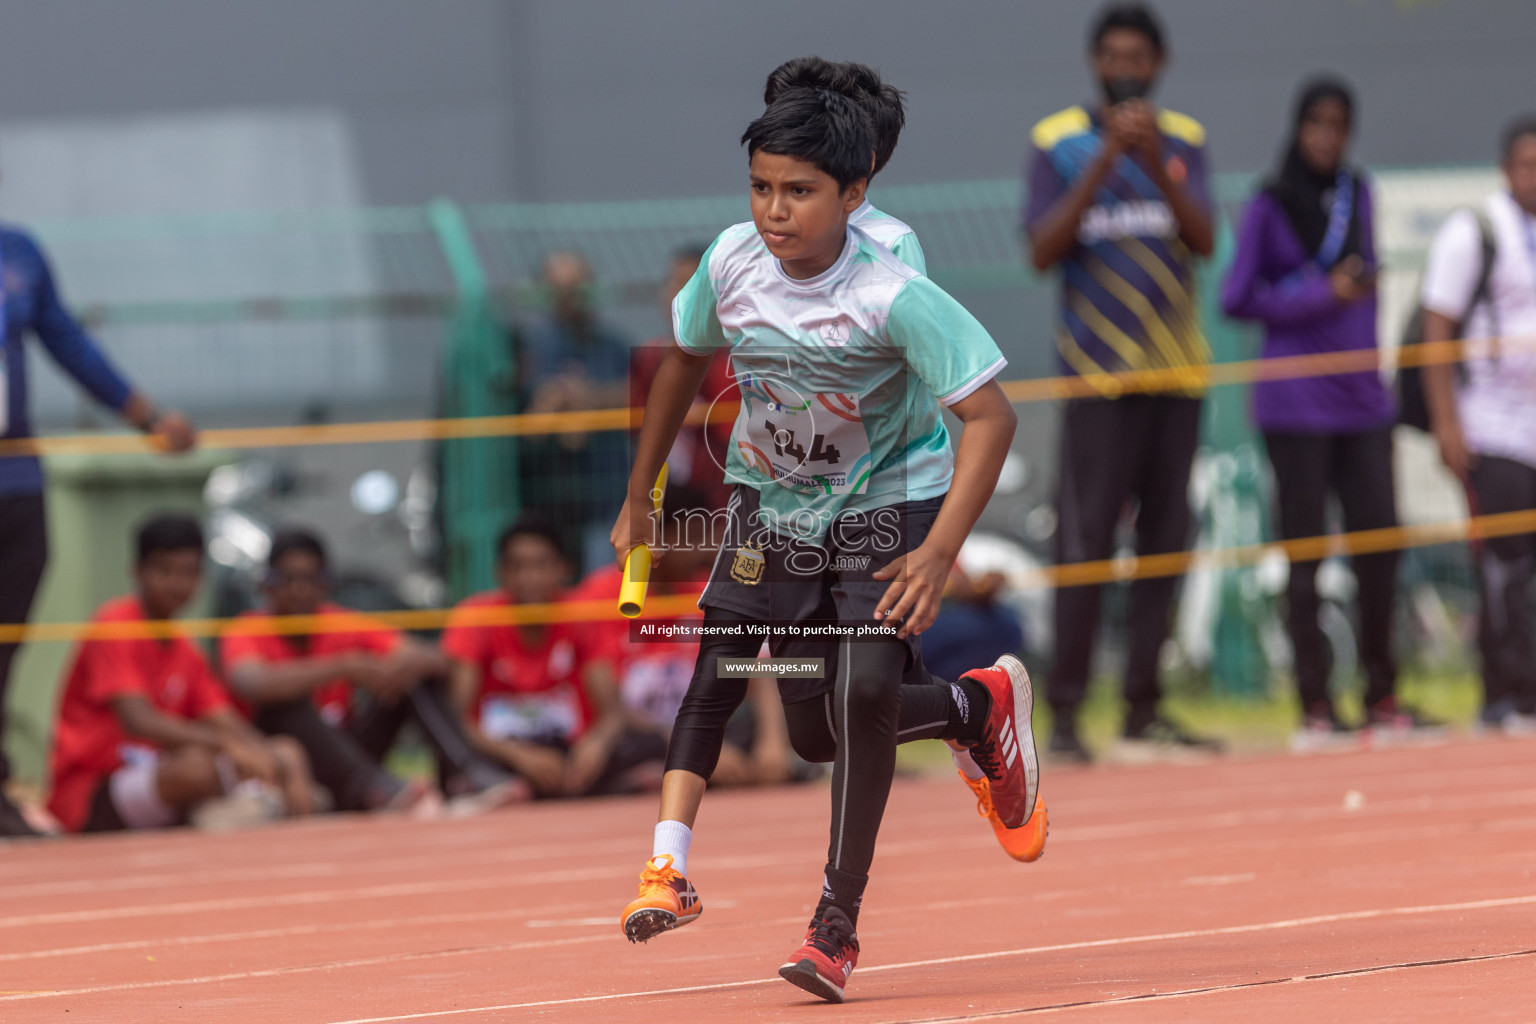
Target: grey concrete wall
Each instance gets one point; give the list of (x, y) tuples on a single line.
[(577, 99)]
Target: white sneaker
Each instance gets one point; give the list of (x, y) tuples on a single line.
[(250, 803), (1518, 723)]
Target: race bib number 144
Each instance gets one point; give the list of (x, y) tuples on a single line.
[(813, 442)]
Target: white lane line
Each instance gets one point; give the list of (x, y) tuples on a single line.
[(1266, 926), (292, 931), (492, 853), (300, 898), (1299, 922), (1424, 834), (1189, 993), (338, 864), (743, 862), (750, 861)]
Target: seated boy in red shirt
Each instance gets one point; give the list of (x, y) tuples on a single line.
[(542, 699), (145, 733), (305, 685), (654, 673)]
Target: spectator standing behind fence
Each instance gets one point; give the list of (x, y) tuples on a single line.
[(1306, 270), (569, 361), (1484, 412), (1117, 198), (29, 301)]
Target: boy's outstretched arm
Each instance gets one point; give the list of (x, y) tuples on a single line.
[(672, 392), (918, 577)]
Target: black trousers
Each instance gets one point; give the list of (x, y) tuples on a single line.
[(1115, 452), (346, 760), (23, 555), (1357, 468), (1505, 566)]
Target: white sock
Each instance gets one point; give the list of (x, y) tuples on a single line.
[(673, 838), (964, 762)]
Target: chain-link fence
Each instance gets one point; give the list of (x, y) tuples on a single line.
[(416, 312)]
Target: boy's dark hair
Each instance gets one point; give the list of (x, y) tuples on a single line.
[(860, 83), (1133, 16), (531, 524), (1516, 130), (293, 539), (819, 126), (168, 531)]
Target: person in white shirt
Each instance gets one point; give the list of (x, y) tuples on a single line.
[(1483, 411)]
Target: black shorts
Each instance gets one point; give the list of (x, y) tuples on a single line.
[(785, 582)]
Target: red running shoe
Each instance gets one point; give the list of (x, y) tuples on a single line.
[(825, 962), (1007, 748)]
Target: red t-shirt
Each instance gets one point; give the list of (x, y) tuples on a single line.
[(88, 741), (251, 639), (653, 674), (529, 690)]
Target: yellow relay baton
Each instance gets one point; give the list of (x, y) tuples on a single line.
[(637, 564)]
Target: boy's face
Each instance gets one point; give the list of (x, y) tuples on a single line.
[(1520, 170), (166, 580), (1126, 55), (799, 210), (296, 584), (531, 570)]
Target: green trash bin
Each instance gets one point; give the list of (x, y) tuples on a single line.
[(94, 504)]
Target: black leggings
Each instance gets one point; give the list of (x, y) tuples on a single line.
[(878, 700), (1357, 468), (699, 732)]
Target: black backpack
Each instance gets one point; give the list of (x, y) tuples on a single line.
[(1412, 408)]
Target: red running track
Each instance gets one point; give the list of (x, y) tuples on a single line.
[(1249, 889)]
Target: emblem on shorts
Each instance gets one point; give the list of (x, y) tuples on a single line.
[(835, 332), (748, 566)]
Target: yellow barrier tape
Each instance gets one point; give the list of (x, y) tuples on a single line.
[(1073, 574), (1177, 378)]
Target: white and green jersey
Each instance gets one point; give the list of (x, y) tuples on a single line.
[(838, 375), (894, 234)]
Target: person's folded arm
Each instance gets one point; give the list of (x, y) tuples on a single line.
[(271, 682), (1295, 301), (140, 719)]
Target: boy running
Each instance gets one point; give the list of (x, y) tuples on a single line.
[(680, 805), (841, 461)]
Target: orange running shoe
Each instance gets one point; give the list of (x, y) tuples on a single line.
[(667, 900), (1025, 843)]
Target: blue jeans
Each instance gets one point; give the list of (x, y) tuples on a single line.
[(967, 636)]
